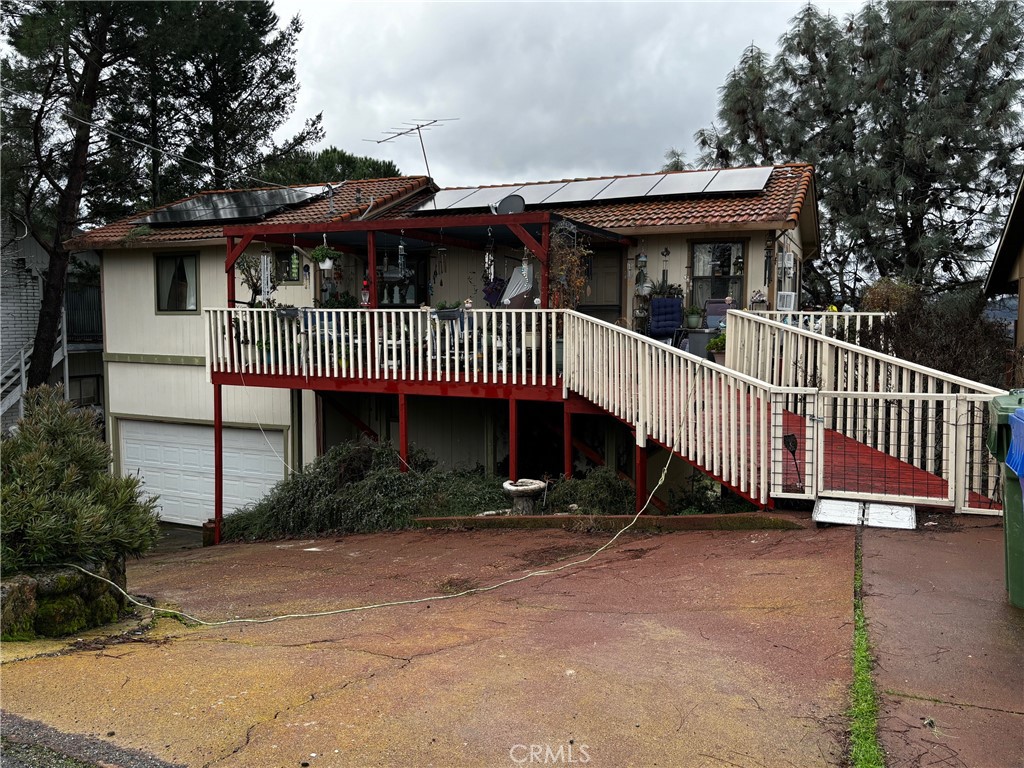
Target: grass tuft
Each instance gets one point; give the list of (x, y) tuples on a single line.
[(865, 751)]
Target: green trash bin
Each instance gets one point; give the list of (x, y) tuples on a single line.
[(1006, 442)]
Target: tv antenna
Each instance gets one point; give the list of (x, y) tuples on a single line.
[(417, 127)]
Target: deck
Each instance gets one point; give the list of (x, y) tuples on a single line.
[(793, 413)]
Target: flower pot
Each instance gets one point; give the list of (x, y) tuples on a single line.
[(327, 265), (693, 321), (719, 357)]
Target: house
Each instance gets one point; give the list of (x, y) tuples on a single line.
[(1008, 266), (403, 243), (77, 359)]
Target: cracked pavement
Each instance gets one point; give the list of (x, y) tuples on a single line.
[(949, 648), (684, 649)]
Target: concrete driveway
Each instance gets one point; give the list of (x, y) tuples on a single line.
[(687, 649)]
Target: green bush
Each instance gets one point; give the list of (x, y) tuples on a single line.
[(60, 502), (599, 492), (948, 332), (358, 487)]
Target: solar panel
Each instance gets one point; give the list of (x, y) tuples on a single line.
[(538, 193), (578, 191), (630, 186), (683, 183), (739, 180), (484, 197), (239, 205), (445, 199)]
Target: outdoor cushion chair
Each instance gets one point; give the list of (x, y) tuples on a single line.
[(715, 311), (666, 317)]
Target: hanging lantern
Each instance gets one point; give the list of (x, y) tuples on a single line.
[(489, 256)]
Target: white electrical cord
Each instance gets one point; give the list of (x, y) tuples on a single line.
[(434, 598)]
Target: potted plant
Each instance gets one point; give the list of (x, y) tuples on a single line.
[(447, 310), (693, 316), (324, 256), (716, 346)]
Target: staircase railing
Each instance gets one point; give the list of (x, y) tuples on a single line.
[(920, 416), (731, 425), (14, 374)]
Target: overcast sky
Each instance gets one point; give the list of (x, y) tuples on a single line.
[(542, 90)]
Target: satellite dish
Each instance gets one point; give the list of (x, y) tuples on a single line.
[(511, 204)]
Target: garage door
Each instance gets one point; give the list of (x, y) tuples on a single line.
[(175, 462)]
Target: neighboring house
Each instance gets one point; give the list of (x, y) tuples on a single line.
[(1008, 266), (403, 243), (77, 361)]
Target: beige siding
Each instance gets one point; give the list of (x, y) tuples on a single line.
[(679, 245), (176, 392)]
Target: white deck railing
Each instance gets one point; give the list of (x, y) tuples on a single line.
[(920, 416), (844, 325), (479, 346), (730, 424)]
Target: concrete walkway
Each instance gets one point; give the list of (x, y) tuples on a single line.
[(688, 649), (949, 647)]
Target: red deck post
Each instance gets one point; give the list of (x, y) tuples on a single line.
[(218, 462), (513, 440), (640, 476), (566, 439), (403, 432)]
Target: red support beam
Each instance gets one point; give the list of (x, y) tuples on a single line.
[(450, 221), (566, 440), (235, 251), (640, 473), (218, 463), (513, 441), (403, 432), (231, 272)]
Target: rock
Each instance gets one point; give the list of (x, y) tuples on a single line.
[(59, 582), (17, 608), (61, 615)]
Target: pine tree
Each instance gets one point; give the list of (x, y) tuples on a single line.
[(319, 166), (910, 113)]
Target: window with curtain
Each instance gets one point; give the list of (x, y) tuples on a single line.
[(717, 272), (177, 282)]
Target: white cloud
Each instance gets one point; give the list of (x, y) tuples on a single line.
[(541, 90)]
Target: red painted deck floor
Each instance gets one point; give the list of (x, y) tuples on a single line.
[(852, 466)]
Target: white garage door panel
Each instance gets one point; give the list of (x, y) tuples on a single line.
[(175, 462)]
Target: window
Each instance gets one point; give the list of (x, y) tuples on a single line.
[(287, 267), (717, 272), (177, 283)]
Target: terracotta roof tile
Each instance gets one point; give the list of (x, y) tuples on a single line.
[(384, 192)]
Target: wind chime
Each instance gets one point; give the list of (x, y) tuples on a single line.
[(265, 274), (440, 264)]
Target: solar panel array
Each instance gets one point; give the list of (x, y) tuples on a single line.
[(725, 181), (237, 205)]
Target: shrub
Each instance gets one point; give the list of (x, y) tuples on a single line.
[(599, 491), (358, 487), (60, 502), (948, 332)]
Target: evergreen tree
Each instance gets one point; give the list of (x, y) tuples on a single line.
[(325, 165), (910, 113), (83, 82)]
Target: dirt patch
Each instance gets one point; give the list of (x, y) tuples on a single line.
[(551, 555), (456, 584)]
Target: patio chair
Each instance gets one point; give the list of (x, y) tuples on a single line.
[(715, 311), (666, 317)]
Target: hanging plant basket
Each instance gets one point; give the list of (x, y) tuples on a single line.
[(324, 256)]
